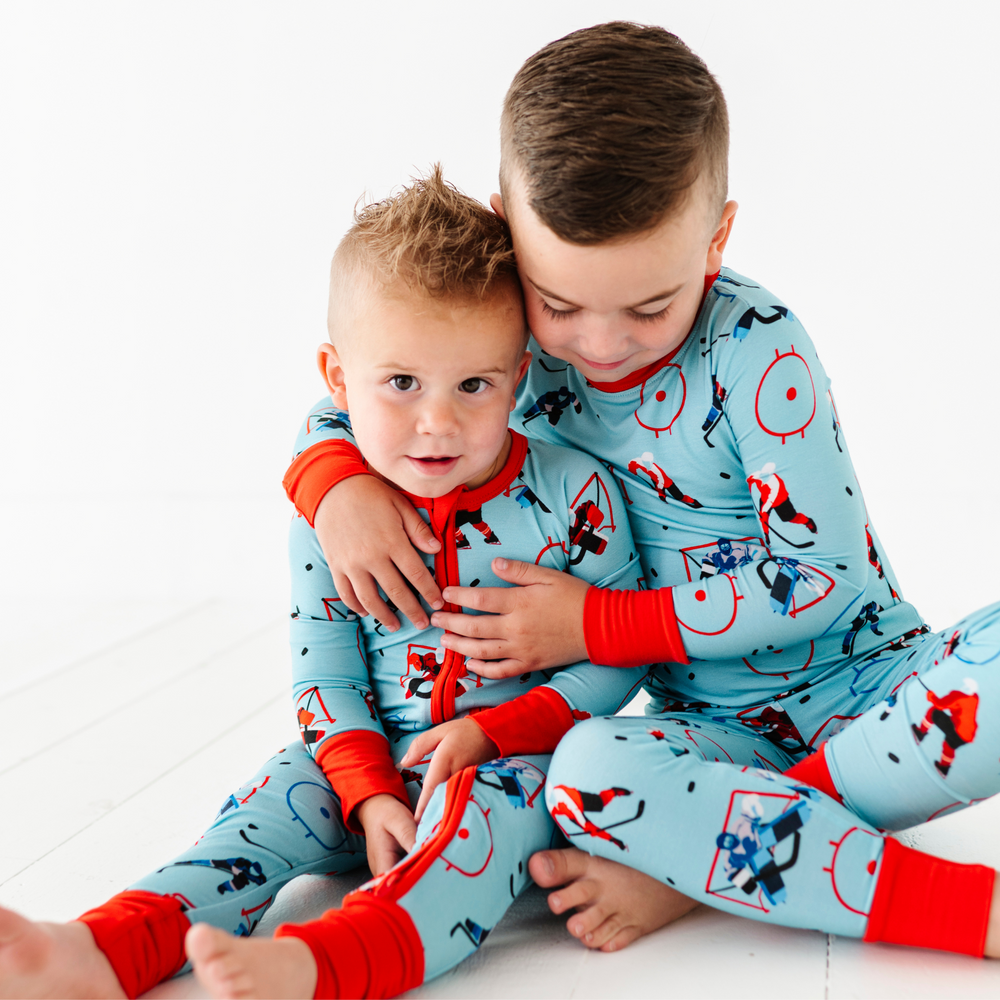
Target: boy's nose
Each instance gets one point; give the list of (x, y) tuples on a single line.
[(437, 417), (602, 340)]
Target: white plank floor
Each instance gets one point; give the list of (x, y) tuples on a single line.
[(123, 726)]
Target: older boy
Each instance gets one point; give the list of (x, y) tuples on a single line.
[(427, 347), (780, 639)]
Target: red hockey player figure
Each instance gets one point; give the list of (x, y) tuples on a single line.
[(572, 804), (475, 518), (955, 715), (774, 496), (662, 483), (585, 532)]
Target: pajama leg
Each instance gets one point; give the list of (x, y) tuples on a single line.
[(437, 905), (284, 822), (932, 746), (677, 798)]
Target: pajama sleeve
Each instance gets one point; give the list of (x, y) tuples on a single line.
[(325, 455), (334, 700), (811, 576)]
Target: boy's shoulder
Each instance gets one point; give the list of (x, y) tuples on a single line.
[(740, 321)]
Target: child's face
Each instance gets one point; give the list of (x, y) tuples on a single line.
[(429, 384), (614, 308)]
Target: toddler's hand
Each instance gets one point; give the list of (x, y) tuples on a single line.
[(455, 745), (365, 529), (390, 831), (533, 626)]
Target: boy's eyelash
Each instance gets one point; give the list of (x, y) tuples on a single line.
[(556, 313), (641, 317), (651, 317)]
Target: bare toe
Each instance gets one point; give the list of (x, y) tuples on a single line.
[(549, 868), (230, 967)]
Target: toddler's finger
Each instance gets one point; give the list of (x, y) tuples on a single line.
[(346, 594)]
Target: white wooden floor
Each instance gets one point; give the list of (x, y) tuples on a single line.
[(122, 727)]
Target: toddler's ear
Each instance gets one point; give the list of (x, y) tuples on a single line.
[(333, 374), (496, 203)]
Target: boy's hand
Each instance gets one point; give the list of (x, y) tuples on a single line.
[(533, 626), (366, 529), (390, 831), (455, 745)]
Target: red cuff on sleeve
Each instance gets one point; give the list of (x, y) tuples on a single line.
[(358, 765), (630, 628), (317, 470), (927, 902), (532, 723)]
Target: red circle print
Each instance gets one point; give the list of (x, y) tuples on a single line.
[(660, 396), (700, 595), (791, 394), (463, 833)]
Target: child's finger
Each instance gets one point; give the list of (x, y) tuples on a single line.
[(424, 744), (419, 576), (497, 670), (346, 593), (492, 600), (440, 770), (479, 649), (366, 588), (417, 529), (524, 574)]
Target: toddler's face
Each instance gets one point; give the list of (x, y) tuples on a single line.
[(429, 384), (614, 308)]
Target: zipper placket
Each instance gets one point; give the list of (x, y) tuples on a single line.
[(442, 514)]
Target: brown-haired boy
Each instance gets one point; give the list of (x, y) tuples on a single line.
[(427, 346), (799, 704)]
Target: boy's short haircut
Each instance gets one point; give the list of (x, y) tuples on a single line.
[(431, 238), (609, 127)]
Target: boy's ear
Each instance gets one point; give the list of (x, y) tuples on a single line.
[(522, 370), (333, 374), (720, 238), (496, 203)]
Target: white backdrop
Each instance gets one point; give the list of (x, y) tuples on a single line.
[(175, 175)]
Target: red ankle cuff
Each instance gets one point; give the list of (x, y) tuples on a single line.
[(368, 948), (927, 902), (141, 935), (813, 771)]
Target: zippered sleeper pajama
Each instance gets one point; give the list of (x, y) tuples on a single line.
[(361, 696)]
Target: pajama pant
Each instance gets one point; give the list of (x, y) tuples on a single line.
[(697, 800), (286, 821)]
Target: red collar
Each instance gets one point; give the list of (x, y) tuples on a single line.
[(473, 499), (640, 376)]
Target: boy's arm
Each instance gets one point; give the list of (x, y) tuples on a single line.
[(334, 701), (365, 528)]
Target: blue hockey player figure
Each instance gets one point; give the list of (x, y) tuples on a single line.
[(553, 404)]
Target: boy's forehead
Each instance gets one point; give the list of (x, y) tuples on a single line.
[(609, 275), (405, 324)]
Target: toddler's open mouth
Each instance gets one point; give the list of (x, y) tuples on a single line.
[(434, 465)]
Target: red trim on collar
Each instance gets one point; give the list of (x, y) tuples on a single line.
[(640, 376), (472, 499)]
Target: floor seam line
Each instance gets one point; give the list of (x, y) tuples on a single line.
[(113, 646), (826, 978), (173, 767), (145, 694)]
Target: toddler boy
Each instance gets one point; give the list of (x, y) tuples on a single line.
[(800, 706), (427, 347)]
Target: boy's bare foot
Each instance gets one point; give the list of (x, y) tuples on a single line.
[(615, 904), (52, 960), (229, 966)]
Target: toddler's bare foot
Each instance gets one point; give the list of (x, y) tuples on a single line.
[(229, 966), (52, 960), (615, 904)]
